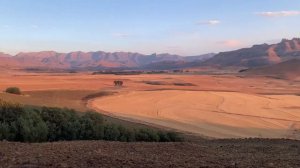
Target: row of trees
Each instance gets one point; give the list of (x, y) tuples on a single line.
[(40, 124)]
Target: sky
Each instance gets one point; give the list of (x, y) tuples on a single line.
[(184, 27)]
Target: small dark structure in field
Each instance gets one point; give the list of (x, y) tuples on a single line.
[(118, 83)]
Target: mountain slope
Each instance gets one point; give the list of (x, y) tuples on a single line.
[(288, 69), (4, 55), (258, 55)]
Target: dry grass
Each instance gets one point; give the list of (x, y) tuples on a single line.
[(215, 114)]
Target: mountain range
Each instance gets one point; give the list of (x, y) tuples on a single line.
[(253, 57), (92, 60)]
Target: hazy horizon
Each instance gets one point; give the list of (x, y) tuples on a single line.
[(149, 53), (179, 27)]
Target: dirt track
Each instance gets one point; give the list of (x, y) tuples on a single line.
[(218, 153)]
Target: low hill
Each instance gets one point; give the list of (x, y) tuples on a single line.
[(257, 55), (288, 69)]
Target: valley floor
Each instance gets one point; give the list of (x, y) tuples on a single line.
[(220, 106)]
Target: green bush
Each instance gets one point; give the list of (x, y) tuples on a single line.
[(32, 128), (40, 124), (90, 129), (5, 132), (96, 126), (126, 135), (111, 132), (63, 124), (174, 137), (147, 135), (13, 90), (20, 124), (163, 136), (9, 112)]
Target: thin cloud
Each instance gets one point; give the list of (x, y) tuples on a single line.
[(230, 43), (6, 26), (279, 13), (120, 35), (209, 22), (34, 26), (174, 48)]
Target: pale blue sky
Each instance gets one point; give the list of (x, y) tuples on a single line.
[(186, 27)]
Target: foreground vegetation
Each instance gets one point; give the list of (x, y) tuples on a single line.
[(41, 124)]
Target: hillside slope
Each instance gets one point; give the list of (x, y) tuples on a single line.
[(257, 55), (288, 69)]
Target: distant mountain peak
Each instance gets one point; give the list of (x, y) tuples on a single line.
[(258, 55)]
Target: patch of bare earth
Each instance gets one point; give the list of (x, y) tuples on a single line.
[(214, 153), (273, 57)]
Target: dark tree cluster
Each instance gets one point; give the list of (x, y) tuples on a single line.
[(118, 83), (13, 90), (41, 124)]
